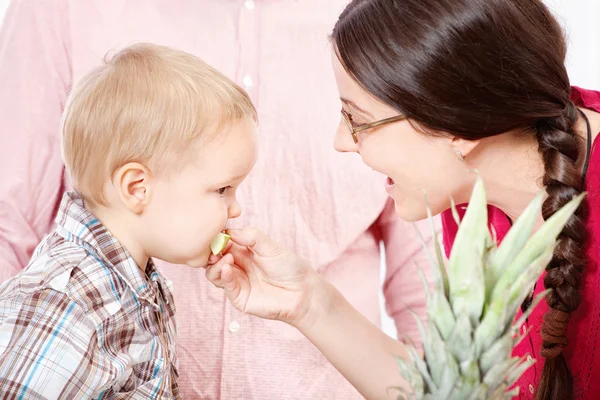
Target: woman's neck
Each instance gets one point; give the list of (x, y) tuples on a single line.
[(512, 167), (512, 170)]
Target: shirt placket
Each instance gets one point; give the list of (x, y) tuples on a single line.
[(159, 309), (248, 77), (248, 34)]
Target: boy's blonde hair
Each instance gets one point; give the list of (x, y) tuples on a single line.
[(148, 104)]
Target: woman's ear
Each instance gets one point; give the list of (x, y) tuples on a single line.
[(463, 147)]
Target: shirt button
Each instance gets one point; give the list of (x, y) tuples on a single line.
[(249, 4), (247, 81), (524, 329), (234, 327), (529, 358), (531, 390)]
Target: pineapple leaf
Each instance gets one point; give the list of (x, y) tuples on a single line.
[(524, 284), (412, 376), (455, 215), (423, 369), (539, 297), (440, 312), (423, 281), (513, 242), (498, 373), (508, 395), (468, 382), (480, 392), (460, 338), (449, 379), (438, 270), (438, 357), (440, 267), (523, 365), (505, 300), (499, 350), (544, 238), (498, 393), (422, 332), (465, 269)]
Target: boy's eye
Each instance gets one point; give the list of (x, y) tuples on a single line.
[(223, 190)]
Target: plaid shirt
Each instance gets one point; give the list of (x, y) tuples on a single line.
[(81, 321)]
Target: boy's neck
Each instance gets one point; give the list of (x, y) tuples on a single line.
[(117, 225)]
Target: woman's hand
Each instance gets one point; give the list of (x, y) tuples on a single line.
[(260, 277)]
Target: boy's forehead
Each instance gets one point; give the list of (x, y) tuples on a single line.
[(232, 153)]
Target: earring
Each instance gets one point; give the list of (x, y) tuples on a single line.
[(459, 155)]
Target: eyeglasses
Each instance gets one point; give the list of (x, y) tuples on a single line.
[(354, 129)]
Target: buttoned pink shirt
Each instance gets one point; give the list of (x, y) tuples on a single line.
[(328, 207)]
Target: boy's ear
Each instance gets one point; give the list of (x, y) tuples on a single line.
[(133, 182)]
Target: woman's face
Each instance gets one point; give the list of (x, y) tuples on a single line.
[(414, 162)]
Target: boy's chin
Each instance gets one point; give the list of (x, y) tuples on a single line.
[(198, 263), (200, 259)]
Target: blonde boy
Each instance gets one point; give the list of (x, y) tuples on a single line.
[(156, 143)]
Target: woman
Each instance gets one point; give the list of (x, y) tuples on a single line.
[(431, 89)]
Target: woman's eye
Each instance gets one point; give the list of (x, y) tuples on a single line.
[(353, 122)]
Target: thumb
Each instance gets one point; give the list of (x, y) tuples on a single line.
[(231, 285), (260, 243)]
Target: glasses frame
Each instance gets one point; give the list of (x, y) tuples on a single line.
[(354, 129)]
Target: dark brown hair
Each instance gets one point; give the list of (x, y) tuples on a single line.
[(475, 69)]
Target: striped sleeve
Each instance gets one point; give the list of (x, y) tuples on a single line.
[(49, 349)]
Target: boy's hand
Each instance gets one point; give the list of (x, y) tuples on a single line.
[(261, 278)]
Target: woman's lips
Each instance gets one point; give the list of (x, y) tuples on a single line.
[(389, 184)]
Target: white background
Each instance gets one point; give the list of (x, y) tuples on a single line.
[(581, 20)]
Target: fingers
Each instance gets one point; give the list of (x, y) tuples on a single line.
[(254, 239), (214, 258), (242, 255), (213, 272), (229, 282), (236, 286), (223, 259), (234, 282)]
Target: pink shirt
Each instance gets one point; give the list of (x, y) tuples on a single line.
[(328, 207)]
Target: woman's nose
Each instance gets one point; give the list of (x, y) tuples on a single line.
[(343, 141)]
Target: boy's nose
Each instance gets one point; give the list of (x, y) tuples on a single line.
[(235, 210)]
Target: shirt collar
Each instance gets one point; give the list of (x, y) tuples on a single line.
[(78, 225)]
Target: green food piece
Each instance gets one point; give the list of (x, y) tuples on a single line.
[(219, 242)]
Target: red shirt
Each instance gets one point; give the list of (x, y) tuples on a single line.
[(583, 350)]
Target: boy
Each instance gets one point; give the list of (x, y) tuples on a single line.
[(156, 143)]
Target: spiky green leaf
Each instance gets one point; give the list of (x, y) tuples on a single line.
[(465, 267)]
